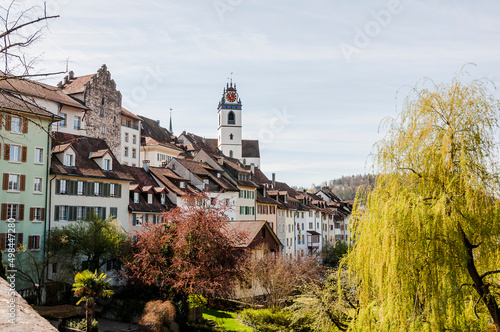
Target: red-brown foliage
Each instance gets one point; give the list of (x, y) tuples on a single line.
[(192, 251)]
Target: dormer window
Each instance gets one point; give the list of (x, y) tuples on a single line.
[(69, 160), (107, 165), (136, 197), (218, 175), (150, 198), (182, 185), (163, 199), (206, 181)]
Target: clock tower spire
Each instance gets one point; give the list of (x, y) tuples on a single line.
[(229, 113)]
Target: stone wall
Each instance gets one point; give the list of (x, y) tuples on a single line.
[(104, 118)]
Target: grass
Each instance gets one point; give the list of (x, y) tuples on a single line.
[(225, 320)]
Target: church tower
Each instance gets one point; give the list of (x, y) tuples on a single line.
[(229, 112)]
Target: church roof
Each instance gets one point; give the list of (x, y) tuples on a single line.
[(250, 148)]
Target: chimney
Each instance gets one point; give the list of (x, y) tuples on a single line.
[(71, 75), (59, 84), (66, 79), (274, 179), (145, 165)]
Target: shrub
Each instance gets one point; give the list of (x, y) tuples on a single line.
[(82, 325), (271, 320), (158, 315)]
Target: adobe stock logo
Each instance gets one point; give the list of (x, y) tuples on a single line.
[(223, 6), (363, 37)]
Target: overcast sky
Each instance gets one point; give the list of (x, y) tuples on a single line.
[(315, 77)]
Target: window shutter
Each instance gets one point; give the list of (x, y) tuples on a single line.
[(24, 154), (21, 211), (8, 119), (6, 152), (32, 214), (42, 214), (19, 239), (105, 189), (25, 125), (5, 185), (56, 213), (119, 190), (23, 183), (1, 121), (103, 213), (30, 242), (3, 237), (72, 186), (4, 211), (37, 242), (134, 220), (147, 217), (72, 213), (58, 187), (154, 218)]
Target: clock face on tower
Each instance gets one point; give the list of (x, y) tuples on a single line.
[(231, 97)]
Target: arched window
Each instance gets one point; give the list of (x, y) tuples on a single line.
[(230, 118), (230, 153)]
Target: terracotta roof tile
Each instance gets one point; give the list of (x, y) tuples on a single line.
[(77, 84), (129, 114), (12, 103)]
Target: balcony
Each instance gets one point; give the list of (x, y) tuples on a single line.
[(130, 125)]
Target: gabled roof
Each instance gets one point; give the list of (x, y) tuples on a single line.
[(152, 128), (170, 179), (129, 114), (36, 89), (265, 200), (10, 103), (203, 169), (76, 85), (61, 148), (250, 148), (251, 230), (84, 166), (99, 153), (259, 177), (197, 143)]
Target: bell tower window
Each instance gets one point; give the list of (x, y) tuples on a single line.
[(230, 153), (231, 136), (230, 118)]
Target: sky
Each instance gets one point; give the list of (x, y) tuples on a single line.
[(315, 78)]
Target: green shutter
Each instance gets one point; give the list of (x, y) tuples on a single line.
[(134, 219), (105, 190), (58, 187), (72, 213), (56, 213), (103, 214), (119, 190)]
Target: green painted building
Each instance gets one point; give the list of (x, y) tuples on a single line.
[(24, 164)]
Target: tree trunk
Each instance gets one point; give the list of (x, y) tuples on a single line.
[(481, 288), (88, 316)]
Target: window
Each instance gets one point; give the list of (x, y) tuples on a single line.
[(14, 212), (63, 187), (230, 153), (163, 199), (101, 112), (37, 214), (68, 160), (150, 198), (133, 153), (34, 242), (14, 182), (134, 139), (37, 185), (206, 181), (103, 130), (15, 124), (230, 118), (107, 164), (126, 137), (113, 212), (62, 123), (63, 213), (15, 153), (136, 197), (97, 189), (80, 213), (125, 153), (80, 188), (77, 122), (231, 136), (38, 156), (138, 219), (182, 185), (112, 190)]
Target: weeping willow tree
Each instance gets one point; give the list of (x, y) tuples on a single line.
[(427, 252)]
